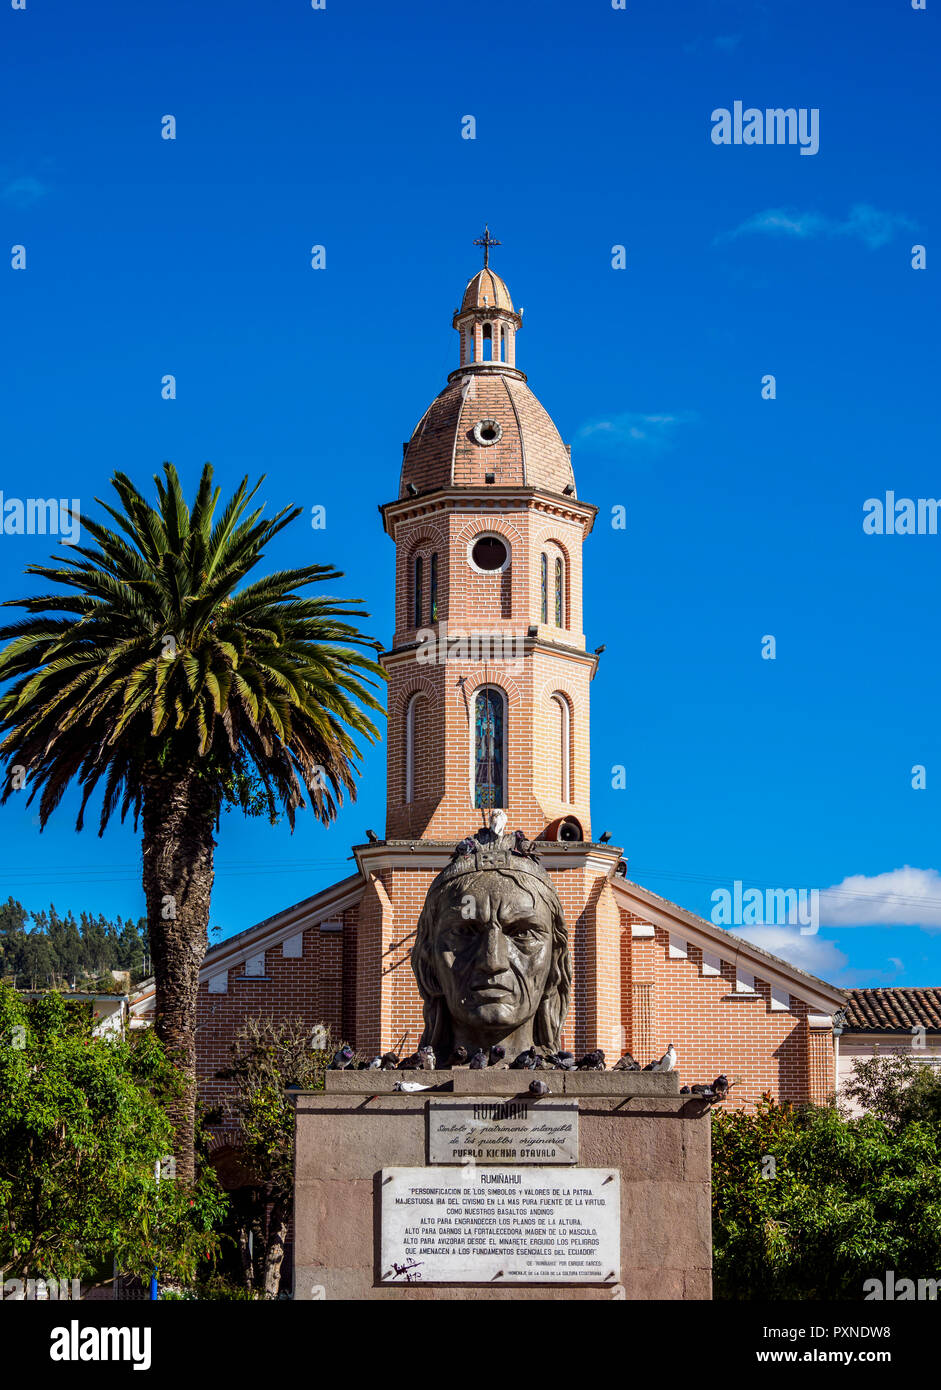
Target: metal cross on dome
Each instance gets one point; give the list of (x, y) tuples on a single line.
[(486, 241)]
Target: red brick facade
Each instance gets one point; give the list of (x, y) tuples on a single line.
[(487, 461)]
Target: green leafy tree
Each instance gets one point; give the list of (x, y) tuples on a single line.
[(897, 1088), (83, 1131), (268, 1061), (808, 1204), (157, 673)]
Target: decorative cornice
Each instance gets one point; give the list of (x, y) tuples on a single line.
[(404, 509)]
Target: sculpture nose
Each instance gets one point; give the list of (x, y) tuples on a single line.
[(495, 957)]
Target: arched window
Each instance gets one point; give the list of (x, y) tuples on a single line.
[(489, 748), (433, 589), (544, 588), (417, 591), (559, 605), (562, 716), (487, 353), (410, 714)]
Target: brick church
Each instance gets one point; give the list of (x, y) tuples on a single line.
[(489, 699)]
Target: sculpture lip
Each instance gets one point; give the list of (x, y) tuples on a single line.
[(490, 987)]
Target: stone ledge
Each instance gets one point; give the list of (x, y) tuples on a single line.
[(501, 1081)]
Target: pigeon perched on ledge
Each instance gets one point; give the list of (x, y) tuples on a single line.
[(565, 1061), (497, 1054), (667, 1062), (390, 1061), (721, 1086), (525, 1061), (592, 1061), (342, 1058), (479, 1060), (538, 1088), (458, 1057), (626, 1063)]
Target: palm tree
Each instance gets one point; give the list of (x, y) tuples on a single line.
[(182, 692)]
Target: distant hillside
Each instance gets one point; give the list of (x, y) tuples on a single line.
[(42, 948)]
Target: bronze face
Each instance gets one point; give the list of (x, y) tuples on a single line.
[(493, 951)]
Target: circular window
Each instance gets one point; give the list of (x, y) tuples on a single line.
[(489, 553), (487, 431)]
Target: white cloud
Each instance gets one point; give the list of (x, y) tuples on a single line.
[(903, 897), (23, 191), (867, 223), (811, 953), (633, 431)]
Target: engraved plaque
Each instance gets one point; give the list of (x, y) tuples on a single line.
[(503, 1131), (506, 1225)]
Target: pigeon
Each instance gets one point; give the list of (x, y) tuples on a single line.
[(525, 1061), (668, 1061), (604, 837), (427, 1055), (458, 1057), (372, 837), (390, 1061), (410, 1086), (524, 846), (700, 1090), (479, 1060), (375, 1064), (626, 1063), (497, 1054), (539, 1061), (341, 1059), (467, 846), (538, 1088), (565, 1061), (592, 1061), (651, 1066), (411, 1063), (721, 1086), (684, 1091)]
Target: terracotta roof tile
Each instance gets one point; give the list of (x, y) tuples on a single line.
[(889, 1010)]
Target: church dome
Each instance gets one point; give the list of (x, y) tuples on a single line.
[(486, 423), (486, 290)]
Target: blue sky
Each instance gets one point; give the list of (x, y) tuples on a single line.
[(342, 127)]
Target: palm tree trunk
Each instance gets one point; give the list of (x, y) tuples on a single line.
[(178, 821)]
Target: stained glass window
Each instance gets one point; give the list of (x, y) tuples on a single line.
[(418, 581), (544, 587), (433, 585), (489, 784), (558, 593)]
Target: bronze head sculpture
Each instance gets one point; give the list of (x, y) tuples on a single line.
[(491, 951)]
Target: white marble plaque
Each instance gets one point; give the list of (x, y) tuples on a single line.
[(503, 1131), (506, 1225)]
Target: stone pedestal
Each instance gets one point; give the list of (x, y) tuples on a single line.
[(361, 1134)]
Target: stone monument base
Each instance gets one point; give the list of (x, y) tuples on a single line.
[(467, 1190)]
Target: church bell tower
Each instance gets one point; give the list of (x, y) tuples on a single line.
[(488, 670)]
